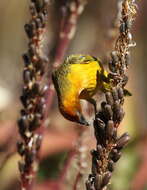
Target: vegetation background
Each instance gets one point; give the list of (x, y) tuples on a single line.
[(92, 37)]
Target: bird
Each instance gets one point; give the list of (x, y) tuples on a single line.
[(79, 77)]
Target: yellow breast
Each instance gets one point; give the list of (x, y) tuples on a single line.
[(83, 77)]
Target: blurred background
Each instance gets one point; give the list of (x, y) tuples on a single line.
[(93, 36)]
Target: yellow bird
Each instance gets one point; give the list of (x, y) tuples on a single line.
[(79, 77)]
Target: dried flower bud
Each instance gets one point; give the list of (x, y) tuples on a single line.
[(99, 123), (28, 30), (108, 111), (122, 141), (98, 181), (106, 179), (35, 123), (23, 123), (35, 89), (110, 165), (24, 100), (120, 92), (115, 155), (110, 130), (27, 76), (26, 60), (115, 94), (109, 98)]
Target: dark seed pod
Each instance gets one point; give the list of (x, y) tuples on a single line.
[(106, 179), (122, 141), (26, 60), (115, 155), (94, 165), (108, 112), (118, 112), (38, 5), (40, 108), (27, 94), (109, 98), (112, 67), (39, 66), (115, 94), (116, 109), (120, 115), (95, 154), (114, 133), (23, 112), (23, 123), (98, 182), (110, 165), (28, 30), (120, 92), (24, 101), (20, 148), (35, 123), (110, 130), (27, 76), (99, 123), (35, 89)]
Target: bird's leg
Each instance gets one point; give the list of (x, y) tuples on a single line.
[(82, 120), (93, 102)]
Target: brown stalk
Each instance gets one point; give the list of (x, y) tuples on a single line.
[(109, 117), (33, 94)]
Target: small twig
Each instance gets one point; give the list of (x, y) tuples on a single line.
[(33, 94), (108, 119), (71, 11)]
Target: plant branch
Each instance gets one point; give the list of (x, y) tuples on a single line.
[(33, 93), (109, 117)]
